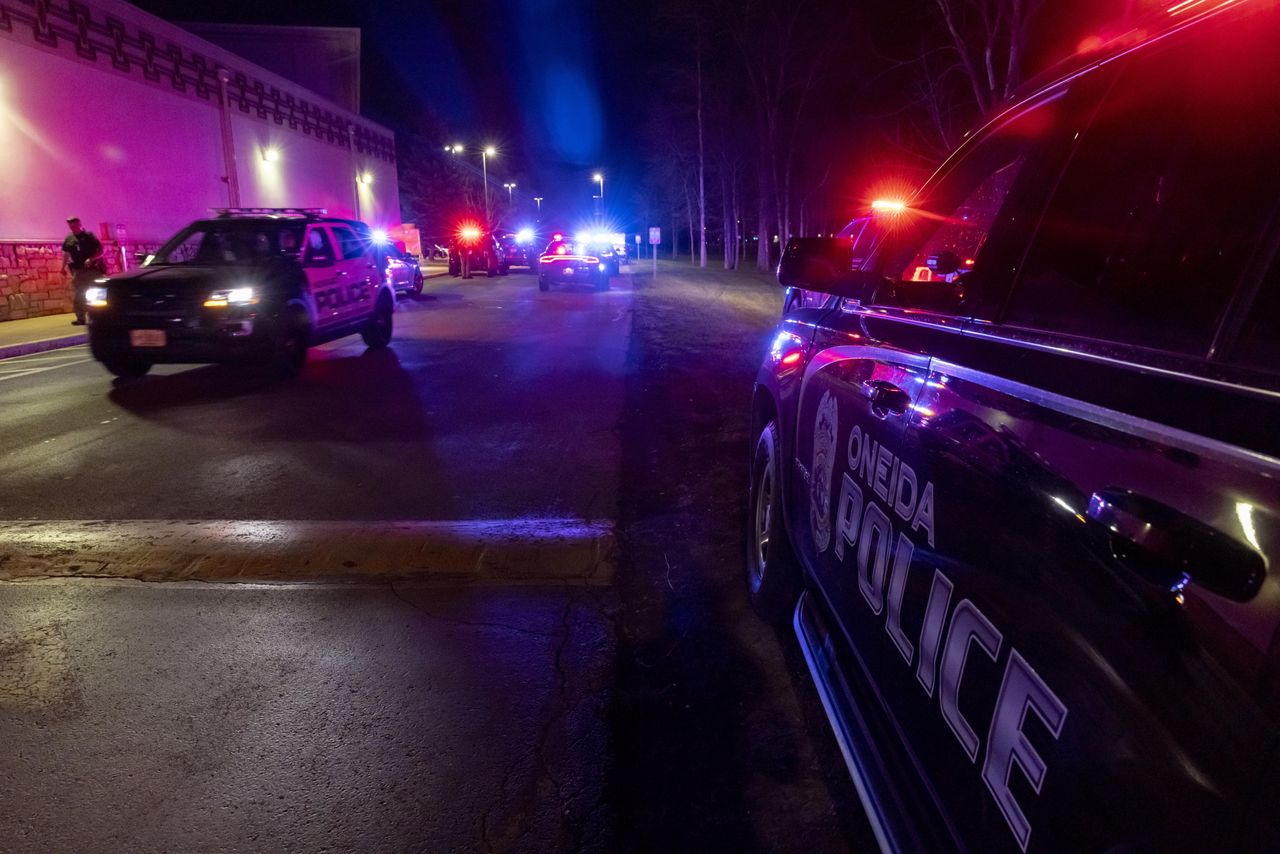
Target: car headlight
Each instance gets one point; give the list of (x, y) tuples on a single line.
[(96, 297), (231, 296)]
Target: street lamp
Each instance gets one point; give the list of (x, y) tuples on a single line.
[(599, 179), (485, 153), (538, 200), (509, 188)]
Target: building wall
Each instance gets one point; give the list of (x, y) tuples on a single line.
[(325, 60), (111, 114)]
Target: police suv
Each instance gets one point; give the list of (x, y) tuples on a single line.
[(251, 284), (1017, 481)]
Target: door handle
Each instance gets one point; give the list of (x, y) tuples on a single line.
[(885, 397), (1171, 548)]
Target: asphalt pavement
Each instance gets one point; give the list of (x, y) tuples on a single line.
[(422, 706)]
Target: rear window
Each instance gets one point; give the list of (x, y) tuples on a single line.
[(1162, 206)]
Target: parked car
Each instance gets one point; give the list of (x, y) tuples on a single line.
[(402, 270), (252, 284), (1015, 485)]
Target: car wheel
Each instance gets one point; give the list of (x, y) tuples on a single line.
[(543, 284), (377, 331), (415, 290), (289, 348), (773, 574), (127, 367)]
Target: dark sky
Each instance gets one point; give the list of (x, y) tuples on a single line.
[(556, 85), (563, 87)]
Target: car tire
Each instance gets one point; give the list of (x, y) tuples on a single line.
[(377, 330), (773, 573), (290, 344), (127, 367), (415, 290), (543, 284)]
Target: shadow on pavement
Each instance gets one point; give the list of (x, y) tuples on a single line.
[(339, 398)]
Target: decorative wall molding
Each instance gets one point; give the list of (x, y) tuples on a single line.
[(71, 26)]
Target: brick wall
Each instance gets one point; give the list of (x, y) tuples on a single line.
[(32, 283)]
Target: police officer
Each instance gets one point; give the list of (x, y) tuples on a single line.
[(82, 254)]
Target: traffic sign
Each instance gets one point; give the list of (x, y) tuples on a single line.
[(655, 236)]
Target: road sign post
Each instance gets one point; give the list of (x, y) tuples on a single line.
[(655, 238)]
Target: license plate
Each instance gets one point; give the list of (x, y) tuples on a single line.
[(147, 337)]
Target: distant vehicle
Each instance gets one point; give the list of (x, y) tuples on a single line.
[(475, 250), (252, 284), (518, 249), (1015, 484), (566, 261), (601, 245), (402, 270)]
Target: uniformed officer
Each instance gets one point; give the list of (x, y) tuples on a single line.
[(82, 254)]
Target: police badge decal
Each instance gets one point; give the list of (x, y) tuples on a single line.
[(824, 457)]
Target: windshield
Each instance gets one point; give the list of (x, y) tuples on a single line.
[(218, 243)]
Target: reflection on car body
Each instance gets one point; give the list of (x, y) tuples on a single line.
[(1026, 524)]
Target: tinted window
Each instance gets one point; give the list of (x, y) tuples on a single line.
[(1160, 209), (318, 246), (944, 235), (1259, 345), (350, 245), (221, 243)]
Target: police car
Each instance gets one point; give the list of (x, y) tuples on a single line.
[(568, 261), (1017, 485), (250, 284)]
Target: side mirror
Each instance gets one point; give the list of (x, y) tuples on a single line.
[(825, 264)]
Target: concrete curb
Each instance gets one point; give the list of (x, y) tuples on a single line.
[(248, 551), (26, 348)]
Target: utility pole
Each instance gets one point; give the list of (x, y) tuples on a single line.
[(228, 142)]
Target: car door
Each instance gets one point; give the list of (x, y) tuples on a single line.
[(357, 275), (1097, 619), (321, 264)]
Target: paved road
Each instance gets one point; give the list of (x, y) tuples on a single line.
[(642, 709)]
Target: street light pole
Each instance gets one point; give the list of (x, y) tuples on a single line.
[(538, 200), (509, 188), (484, 166)]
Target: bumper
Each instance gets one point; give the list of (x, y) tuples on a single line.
[(572, 271), (230, 338)]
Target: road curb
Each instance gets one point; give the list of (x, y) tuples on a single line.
[(258, 551), (9, 351)]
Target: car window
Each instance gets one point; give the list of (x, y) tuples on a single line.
[(223, 243), (952, 250), (319, 248), (350, 245), (943, 235), (1161, 208), (1259, 344)]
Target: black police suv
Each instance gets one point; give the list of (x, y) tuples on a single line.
[(1017, 485), (567, 261), (251, 284)]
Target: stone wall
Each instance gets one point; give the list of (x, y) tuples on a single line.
[(32, 283)]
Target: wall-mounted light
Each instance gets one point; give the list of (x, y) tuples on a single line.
[(365, 178), (271, 155)]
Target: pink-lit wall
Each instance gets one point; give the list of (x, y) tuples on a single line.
[(114, 116)]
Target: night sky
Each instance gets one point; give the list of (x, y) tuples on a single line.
[(564, 88)]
